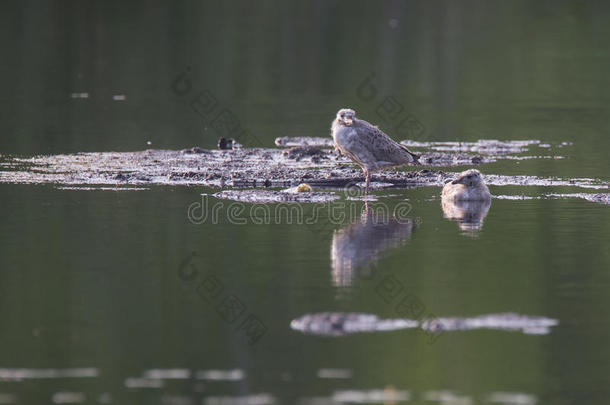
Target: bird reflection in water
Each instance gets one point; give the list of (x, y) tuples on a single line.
[(356, 248), (468, 214), (466, 200)]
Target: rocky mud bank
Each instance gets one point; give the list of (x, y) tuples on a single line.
[(292, 162)]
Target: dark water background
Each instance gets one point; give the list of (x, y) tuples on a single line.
[(90, 278)]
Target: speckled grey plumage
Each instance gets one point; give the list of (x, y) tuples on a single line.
[(367, 145)]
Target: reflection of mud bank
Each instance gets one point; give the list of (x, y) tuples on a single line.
[(392, 395), (339, 323)]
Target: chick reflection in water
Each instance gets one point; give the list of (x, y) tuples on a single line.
[(363, 243), (467, 200)]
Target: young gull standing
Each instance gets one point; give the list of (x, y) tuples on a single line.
[(368, 146)]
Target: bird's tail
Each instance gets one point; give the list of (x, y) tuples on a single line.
[(415, 156)]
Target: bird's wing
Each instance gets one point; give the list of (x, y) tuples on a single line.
[(383, 147)]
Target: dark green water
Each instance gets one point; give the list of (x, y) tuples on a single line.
[(91, 279)]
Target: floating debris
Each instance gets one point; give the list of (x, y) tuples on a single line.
[(514, 197), (482, 146), (304, 141), (596, 198), (227, 144), (342, 323), (252, 399), (502, 180), (77, 188), (168, 374), (391, 395), (385, 396), (46, 373), (221, 375), (334, 373), (64, 397), (512, 398), (269, 196), (447, 397), (137, 382), (530, 325)]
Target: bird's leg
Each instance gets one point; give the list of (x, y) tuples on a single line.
[(368, 181), (367, 210)]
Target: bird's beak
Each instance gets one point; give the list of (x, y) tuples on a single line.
[(348, 121)]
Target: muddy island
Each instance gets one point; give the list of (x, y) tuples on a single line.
[(291, 162)]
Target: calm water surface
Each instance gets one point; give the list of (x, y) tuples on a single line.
[(98, 289)]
